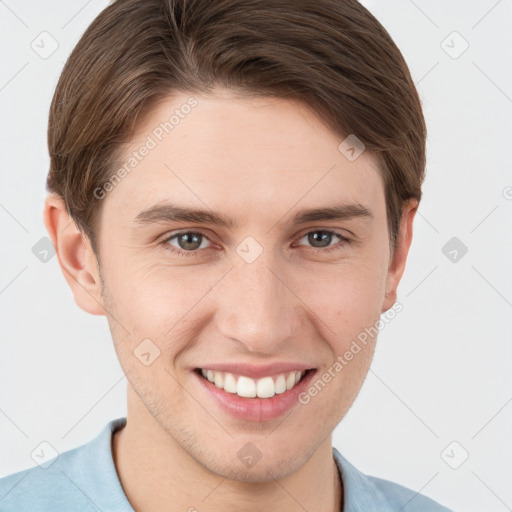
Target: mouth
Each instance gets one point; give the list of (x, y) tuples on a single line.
[(247, 387), (265, 394)]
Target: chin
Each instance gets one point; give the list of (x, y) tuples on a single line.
[(268, 467)]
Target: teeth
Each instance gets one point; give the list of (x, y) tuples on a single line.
[(280, 384), (230, 383), (219, 379), (265, 387), (246, 387), (290, 381)]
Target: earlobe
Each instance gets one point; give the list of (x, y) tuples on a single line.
[(397, 263), (76, 257)]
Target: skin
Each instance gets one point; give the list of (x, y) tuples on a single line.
[(256, 161)]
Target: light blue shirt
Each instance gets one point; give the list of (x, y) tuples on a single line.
[(84, 479)]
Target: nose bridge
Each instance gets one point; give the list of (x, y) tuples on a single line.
[(256, 308)]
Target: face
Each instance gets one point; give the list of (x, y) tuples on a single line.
[(255, 287)]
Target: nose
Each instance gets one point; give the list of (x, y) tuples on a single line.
[(258, 308)]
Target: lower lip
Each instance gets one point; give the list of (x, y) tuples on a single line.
[(256, 409)]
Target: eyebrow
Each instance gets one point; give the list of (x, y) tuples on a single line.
[(166, 212)]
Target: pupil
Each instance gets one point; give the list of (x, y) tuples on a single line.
[(186, 243), (324, 235)]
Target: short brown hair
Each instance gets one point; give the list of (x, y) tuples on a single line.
[(332, 55)]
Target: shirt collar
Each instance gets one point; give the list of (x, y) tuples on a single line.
[(359, 492)]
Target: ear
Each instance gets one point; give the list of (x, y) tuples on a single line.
[(397, 263), (76, 257)]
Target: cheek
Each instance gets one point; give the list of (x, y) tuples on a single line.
[(164, 305), (158, 295), (347, 298), (160, 302)]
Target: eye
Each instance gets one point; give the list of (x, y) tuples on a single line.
[(188, 242), (321, 239)]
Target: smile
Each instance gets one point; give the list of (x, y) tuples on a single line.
[(247, 387), (251, 393)]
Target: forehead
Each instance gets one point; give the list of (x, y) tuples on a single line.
[(238, 154)]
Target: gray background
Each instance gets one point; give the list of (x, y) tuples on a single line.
[(442, 369)]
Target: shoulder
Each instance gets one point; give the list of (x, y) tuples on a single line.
[(41, 489), (364, 492), (81, 479), (411, 501)]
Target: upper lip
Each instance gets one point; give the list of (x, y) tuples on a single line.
[(256, 371)]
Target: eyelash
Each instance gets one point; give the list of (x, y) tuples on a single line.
[(343, 241)]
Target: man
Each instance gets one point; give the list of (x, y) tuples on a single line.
[(233, 184)]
